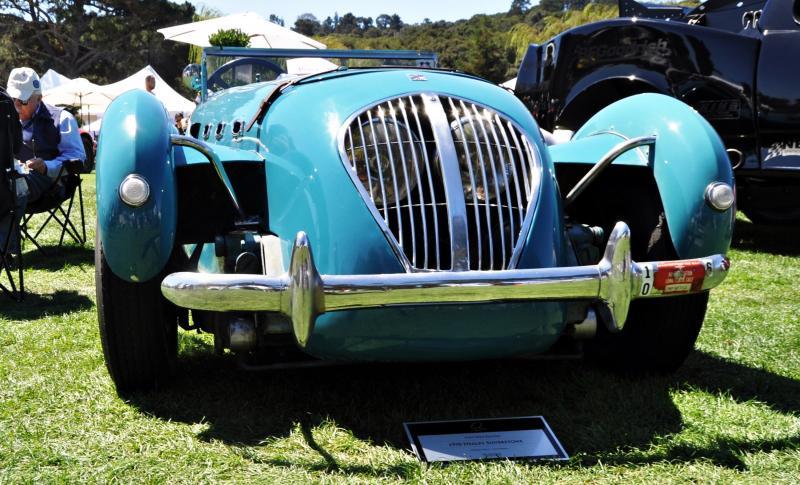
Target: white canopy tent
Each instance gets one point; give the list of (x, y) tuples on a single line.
[(511, 83), (308, 65), (52, 79), (263, 33), (174, 102), (91, 98)]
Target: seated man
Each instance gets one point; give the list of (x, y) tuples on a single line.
[(49, 138)]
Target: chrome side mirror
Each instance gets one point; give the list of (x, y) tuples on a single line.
[(191, 77)]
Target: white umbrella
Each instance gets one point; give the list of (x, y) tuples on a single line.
[(262, 32), (94, 126), (79, 92)]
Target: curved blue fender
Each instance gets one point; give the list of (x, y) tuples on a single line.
[(689, 155), (137, 241)]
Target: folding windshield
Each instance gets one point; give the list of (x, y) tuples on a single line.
[(223, 68)]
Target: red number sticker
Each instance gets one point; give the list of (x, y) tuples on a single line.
[(679, 277)]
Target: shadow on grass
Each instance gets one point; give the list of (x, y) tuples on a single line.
[(780, 240), (34, 306), (598, 415), (56, 258)]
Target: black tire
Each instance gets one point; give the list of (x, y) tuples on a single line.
[(88, 148), (659, 333), (138, 329)]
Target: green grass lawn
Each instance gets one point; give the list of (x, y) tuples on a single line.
[(731, 414)]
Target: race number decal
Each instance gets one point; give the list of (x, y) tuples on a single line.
[(680, 277), (648, 272)]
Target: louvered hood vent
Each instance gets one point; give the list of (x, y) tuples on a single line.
[(451, 182)]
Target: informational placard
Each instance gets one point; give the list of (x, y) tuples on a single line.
[(527, 437)]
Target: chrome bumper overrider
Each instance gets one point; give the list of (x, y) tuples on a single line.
[(302, 294)]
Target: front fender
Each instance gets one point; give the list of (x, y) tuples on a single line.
[(689, 155), (136, 241)]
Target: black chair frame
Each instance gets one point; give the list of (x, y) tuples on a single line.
[(54, 207), (14, 287), (10, 141)]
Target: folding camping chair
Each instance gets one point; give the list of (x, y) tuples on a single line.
[(11, 278), (59, 208), (12, 283)]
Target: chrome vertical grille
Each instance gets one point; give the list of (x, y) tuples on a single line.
[(398, 152)]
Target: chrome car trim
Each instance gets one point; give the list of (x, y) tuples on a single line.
[(208, 152), (621, 136), (302, 294), (473, 187), (498, 196), (714, 204), (506, 185), (382, 117), (485, 185), (421, 193), (410, 204), (531, 182), (451, 177), (243, 139), (125, 181), (605, 161), (429, 173), (364, 117), (495, 150)]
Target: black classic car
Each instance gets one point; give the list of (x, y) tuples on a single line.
[(734, 61)]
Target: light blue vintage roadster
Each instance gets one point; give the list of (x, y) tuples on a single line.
[(401, 213)]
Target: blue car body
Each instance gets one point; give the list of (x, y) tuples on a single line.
[(291, 161)]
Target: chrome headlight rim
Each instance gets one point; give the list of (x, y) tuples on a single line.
[(406, 180), (134, 190), (720, 196)]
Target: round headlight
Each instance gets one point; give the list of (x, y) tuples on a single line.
[(383, 152), (484, 171), (134, 190), (720, 196)]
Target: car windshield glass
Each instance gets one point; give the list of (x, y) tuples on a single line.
[(246, 66)]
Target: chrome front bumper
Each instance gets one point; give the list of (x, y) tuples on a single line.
[(302, 294)]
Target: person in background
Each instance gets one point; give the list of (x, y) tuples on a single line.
[(49, 138), (179, 123), (150, 84)]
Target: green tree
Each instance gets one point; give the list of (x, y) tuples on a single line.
[(487, 55), (551, 5), (347, 24), (101, 40), (519, 7), (383, 21), (307, 24), (395, 22)]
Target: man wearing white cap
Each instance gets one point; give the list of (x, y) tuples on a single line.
[(49, 138)]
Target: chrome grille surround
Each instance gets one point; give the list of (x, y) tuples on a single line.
[(467, 176)]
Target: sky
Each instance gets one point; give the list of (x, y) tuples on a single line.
[(411, 11)]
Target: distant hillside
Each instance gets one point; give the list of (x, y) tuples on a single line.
[(490, 46)]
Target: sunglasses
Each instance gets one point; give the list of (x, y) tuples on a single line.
[(21, 102)]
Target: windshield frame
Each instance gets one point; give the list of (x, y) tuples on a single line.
[(420, 56)]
